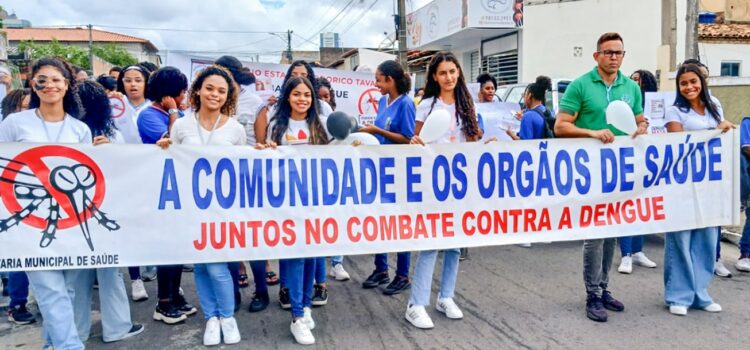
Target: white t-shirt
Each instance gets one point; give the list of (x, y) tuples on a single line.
[(298, 133), (692, 121), (247, 111), (455, 134), (186, 131), (26, 126)]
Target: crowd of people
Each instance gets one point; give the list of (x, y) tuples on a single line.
[(219, 107)]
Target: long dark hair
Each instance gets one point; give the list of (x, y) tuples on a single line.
[(394, 70), (683, 104), (647, 83), (13, 100), (98, 114), (318, 134), (464, 104), (71, 103), (323, 82), (310, 73)]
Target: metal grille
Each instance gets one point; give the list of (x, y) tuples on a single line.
[(474, 72), (503, 66)]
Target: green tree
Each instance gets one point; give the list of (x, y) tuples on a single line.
[(114, 54), (71, 53)]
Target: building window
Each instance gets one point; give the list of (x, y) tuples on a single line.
[(503, 66), (474, 66), (730, 69)]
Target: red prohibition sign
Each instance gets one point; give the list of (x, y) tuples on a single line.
[(367, 97), (118, 106), (33, 159)]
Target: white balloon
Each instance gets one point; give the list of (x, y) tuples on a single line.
[(364, 138), (620, 116), (436, 126)]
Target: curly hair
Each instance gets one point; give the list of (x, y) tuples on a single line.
[(323, 82), (13, 100), (134, 67), (165, 81), (98, 115), (71, 103), (230, 105), (318, 134)]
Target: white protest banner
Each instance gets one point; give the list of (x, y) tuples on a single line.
[(356, 93), (497, 118), (655, 108), (123, 115), (128, 205)]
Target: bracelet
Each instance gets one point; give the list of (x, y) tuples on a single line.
[(173, 111)]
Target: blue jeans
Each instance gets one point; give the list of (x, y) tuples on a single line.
[(215, 289), (258, 269), (18, 289), (689, 266), (113, 300), (422, 281), (56, 305), (335, 260), (300, 274), (745, 240), (320, 270), (402, 266), (631, 244)]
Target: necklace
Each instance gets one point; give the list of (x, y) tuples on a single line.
[(46, 130), (210, 133)]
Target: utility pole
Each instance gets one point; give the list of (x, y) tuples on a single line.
[(691, 30), (289, 46), (91, 48), (401, 34)]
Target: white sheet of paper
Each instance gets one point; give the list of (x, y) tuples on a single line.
[(497, 118)]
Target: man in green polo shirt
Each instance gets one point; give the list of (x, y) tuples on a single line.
[(583, 114)]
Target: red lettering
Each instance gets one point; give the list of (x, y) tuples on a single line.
[(289, 235), (330, 231), (658, 208), (469, 231), (598, 213), (565, 219), (448, 225), (200, 245), (405, 230), (353, 236), (236, 235)]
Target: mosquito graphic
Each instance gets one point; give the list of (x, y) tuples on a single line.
[(70, 181)]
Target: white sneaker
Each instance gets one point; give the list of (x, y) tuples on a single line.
[(449, 308), (678, 310), (338, 273), (417, 316), (721, 270), (525, 245), (743, 265), (626, 265), (138, 291), (230, 331), (641, 259), (713, 307), (307, 318), (212, 335), (301, 333)]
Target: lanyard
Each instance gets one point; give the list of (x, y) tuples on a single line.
[(210, 134), (46, 130), (608, 88)]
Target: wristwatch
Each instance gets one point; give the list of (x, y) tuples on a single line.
[(173, 111)]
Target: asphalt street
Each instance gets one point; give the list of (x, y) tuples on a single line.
[(512, 298)]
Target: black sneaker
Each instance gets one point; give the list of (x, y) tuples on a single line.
[(376, 279), (595, 309), (399, 284), (259, 303), (284, 301), (20, 315), (320, 296), (611, 303), (182, 305), (167, 313), (135, 330), (187, 268), (237, 300)]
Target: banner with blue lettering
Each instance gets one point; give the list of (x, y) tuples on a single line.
[(66, 206)]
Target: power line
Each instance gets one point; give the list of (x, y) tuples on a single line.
[(351, 25), (332, 19), (188, 30)]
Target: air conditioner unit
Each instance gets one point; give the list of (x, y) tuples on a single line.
[(737, 11)]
